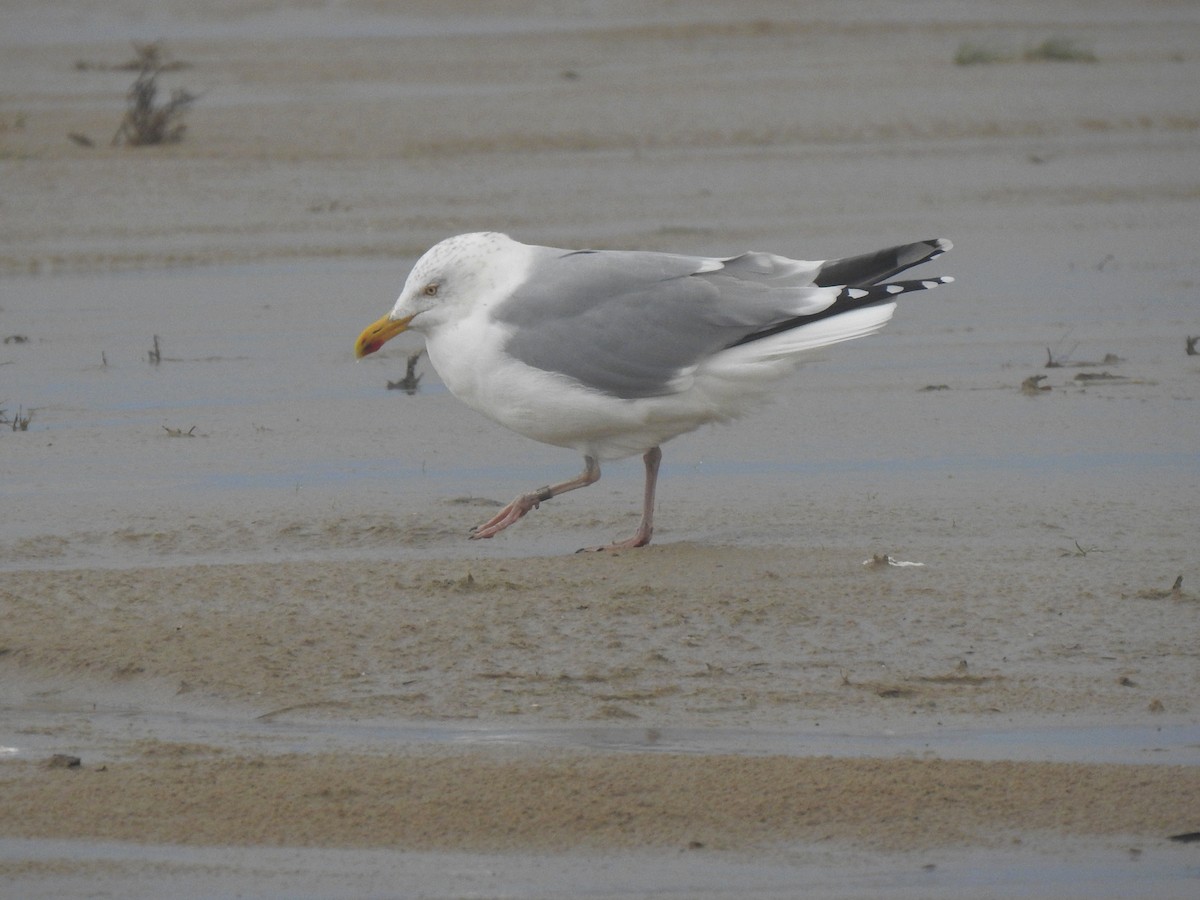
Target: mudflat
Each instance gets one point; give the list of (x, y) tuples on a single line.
[(916, 620)]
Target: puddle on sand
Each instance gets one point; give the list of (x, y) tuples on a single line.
[(1050, 866), (110, 730), (1177, 745), (66, 869)]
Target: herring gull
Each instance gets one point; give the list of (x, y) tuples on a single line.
[(611, 353)]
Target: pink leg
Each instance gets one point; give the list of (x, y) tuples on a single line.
[(526, 502), (641, 537)]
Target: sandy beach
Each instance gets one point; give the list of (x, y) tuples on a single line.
[(926, 626)]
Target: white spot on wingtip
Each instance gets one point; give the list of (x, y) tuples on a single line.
[(895, 289), (855, 293)]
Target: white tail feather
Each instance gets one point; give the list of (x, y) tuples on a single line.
[(791, 343)]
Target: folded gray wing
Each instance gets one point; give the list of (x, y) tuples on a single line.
[(627, 323)]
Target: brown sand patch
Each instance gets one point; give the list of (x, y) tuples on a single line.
[(480, 801), (678, 634)]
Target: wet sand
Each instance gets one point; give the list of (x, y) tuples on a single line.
[(236, 584)]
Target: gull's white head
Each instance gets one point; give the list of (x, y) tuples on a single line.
[(451, 277)]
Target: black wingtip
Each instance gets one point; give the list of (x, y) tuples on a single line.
[(873, 268)]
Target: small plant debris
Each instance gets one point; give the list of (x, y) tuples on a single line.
[(20, 421), (978, 55), (1190, 346), (1059, 49), (179, 432), (883, 560), (1053, 362), (1052, 49), (1032, 386), (1080, 550), (155, 355), (411, 380), (147, 122), (1174, 593)]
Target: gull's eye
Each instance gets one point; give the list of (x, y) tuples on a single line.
[(431, 289)]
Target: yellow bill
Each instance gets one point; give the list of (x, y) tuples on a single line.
[(378, 334)]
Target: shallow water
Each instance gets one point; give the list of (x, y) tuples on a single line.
[(258, 405), (1046, 866), (111, 731), (1062, 871)]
